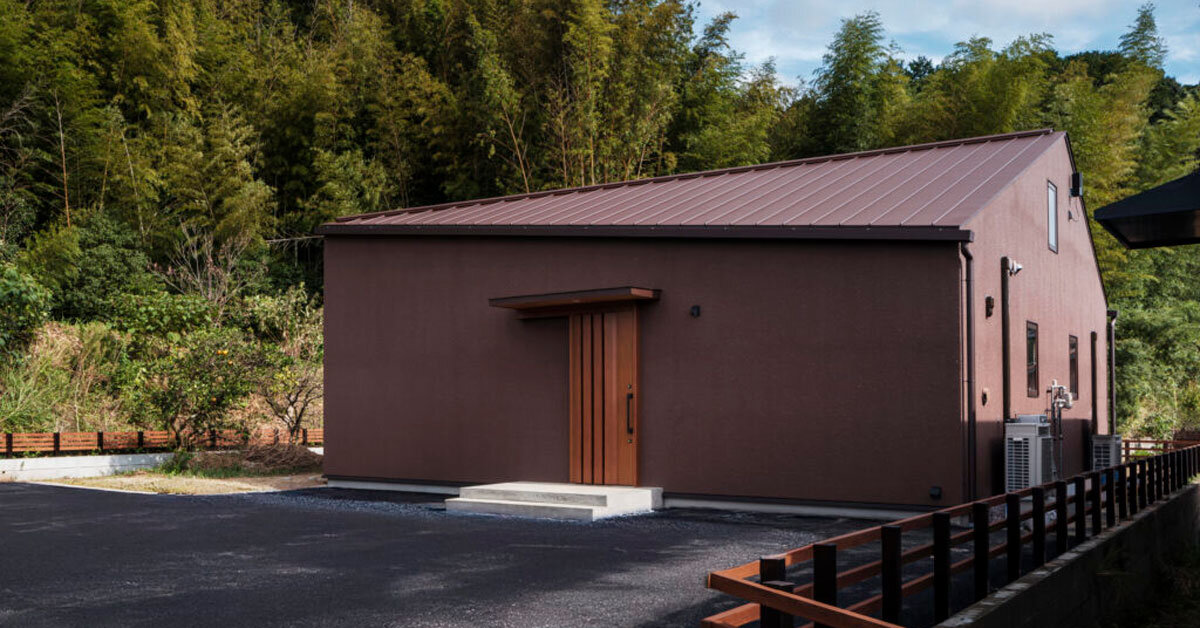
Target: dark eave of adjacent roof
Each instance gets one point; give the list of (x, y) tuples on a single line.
[(1167, 215), (806, 232)]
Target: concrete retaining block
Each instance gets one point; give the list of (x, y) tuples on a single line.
[(26, 469)]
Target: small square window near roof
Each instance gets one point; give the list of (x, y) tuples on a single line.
[(1052, 216)]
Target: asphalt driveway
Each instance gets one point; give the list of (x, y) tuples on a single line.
[(334, 557)]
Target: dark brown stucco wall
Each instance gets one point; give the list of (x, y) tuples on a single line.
[(817, 370), (1061, 292)]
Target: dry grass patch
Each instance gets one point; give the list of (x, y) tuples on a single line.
[(251, 469), (155, 482)]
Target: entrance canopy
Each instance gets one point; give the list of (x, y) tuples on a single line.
[(555, 303), (1167, 215)]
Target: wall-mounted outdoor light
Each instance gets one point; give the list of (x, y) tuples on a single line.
[(695, 311), (989, 305)]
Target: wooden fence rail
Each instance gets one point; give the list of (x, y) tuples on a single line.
[(1139, 447), (1063, 513), (56, 443)]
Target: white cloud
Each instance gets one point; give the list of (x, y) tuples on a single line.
[(796, 32)]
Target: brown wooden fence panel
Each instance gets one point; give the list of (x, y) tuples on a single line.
[(157, 439), (116, 441), (316, 436), (78, 441), (33, 442)]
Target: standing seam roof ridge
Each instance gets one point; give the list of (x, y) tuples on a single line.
[(946, 180), (1052, 139), (947, 154), (995, 174), (814, 202), (917, 164), (816, 173), (827, 185), (984, 165), (755, 182), (921, 188), (781, 184), (698, 190), (360, 218), (667, 195)]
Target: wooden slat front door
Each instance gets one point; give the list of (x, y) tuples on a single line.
[(604, 397)]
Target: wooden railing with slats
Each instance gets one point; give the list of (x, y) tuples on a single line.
[(1101, 499), (1132, 448), (58, 443)]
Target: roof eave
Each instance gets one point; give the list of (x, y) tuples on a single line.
[(804, 232)]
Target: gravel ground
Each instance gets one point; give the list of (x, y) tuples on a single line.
[(336, 557)]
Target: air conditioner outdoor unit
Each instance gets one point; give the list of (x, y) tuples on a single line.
[(1028, 454), (1106, 451)]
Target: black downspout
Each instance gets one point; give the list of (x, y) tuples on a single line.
[(1095, 397), (1112, 371), (1005, 350), (969, 273)]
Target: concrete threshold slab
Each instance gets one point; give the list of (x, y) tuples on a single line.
[(547, 500)]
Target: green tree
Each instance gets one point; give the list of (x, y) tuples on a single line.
[(1142, 42)]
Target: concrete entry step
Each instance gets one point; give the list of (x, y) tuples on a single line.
[(578, 502)]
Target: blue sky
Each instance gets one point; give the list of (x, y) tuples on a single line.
[(795, 32)]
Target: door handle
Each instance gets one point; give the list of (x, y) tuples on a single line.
[(628, 412)]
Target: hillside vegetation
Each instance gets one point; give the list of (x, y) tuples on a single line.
[(163, 164)]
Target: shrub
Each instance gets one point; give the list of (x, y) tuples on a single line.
[(160, 313), (24, 306), (188, 384)]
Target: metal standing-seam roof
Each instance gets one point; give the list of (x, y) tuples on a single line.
[(926, 191)]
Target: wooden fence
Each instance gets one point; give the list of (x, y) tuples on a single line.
[(1100, 498), (56, 443), (1138, 447)]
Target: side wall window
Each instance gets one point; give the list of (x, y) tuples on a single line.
[(1052, 216), (1073, 352), (1031, 359)]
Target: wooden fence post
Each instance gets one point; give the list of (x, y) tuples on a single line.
[(100, 440), (57, 443), (1080, 509), (825, 575), (1012, 545), (981, 515), (1110, 498), (1039, 526), (772, 572), (1143, 485), (1094, 498), (941, 567), (892, 557), (1060, 517), (1122, 492), (141, 439)]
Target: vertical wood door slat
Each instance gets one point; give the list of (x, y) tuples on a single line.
[(627, 374), (598, 398), (576, 374), (585, 423)]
